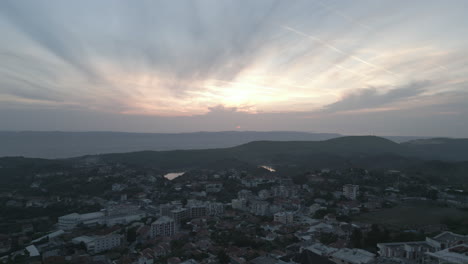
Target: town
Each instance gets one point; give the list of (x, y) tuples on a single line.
[(100, 212)]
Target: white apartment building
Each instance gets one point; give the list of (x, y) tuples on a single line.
[(164, 226), (121, 214), (351, 191), (215, 208), (97, 244), (418, 251), (70, 221)]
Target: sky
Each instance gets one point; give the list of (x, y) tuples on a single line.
[(353, 67)]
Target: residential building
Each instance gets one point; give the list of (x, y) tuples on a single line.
[(264, 194), (259, 208), (351, 191), (97, 244), (418, 250), (457, 255), (180, 214), (215, 209), (284, 217), (244, 194), (239, 204), (213, 187), (122, 214), (164, 226), (352, 256)]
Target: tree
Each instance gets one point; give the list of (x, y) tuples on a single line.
[(131, 235), (223, 257), (300, 179), (327, 238), (319, 214), (432, 194), (356, 238)]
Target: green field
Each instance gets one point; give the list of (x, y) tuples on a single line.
[(412, 214)]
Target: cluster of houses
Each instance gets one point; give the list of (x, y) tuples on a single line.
[(267, 215)]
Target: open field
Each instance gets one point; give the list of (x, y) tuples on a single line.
[(412, 214)]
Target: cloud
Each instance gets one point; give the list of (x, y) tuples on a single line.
[(38, 24), (214, 61), (372, 97)]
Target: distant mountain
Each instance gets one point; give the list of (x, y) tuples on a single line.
[(367, 151), (73, 144), (439, 157), (442, 160)]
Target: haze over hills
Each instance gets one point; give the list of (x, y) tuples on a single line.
[(73, 144)]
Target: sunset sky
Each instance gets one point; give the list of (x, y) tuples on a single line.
[(352, 67)]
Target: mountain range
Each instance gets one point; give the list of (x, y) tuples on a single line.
[(72, 144)]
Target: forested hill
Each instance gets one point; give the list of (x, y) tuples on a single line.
[(366, 151)]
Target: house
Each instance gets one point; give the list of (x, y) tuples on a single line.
[(146, 256), (319, 249), (352, 256), (266, 260), (284, 217)]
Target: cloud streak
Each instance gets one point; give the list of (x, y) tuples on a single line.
[(177, 59)]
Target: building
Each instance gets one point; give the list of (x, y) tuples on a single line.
[(146, 256), (164, 226), (417, 251), (239, 204), (97, 244), (244, 194), (283, 191), (213, 187), (351, 191), (284, 217), (70, 221), (320, 249), (122, 214), (267, 260), (198, 211), (215, 209), (457, 254), (264, 194), (117, 187), (352, 256), (197, 208), (180, 214), (260, 208)]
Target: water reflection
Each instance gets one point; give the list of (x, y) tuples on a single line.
[(172, 175)]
